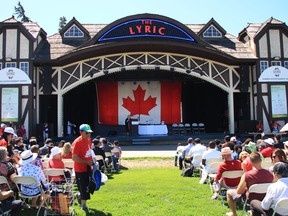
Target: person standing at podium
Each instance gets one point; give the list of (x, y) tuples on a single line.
[(128, 121)]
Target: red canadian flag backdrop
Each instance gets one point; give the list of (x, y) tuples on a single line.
[(150, 101)]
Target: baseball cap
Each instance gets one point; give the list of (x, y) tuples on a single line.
[(9, 130), (85, 127), (2, 125)]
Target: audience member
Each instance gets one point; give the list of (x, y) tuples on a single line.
[(277, 141), (275, 191), (116, 154), (197, 149), (45, 150), (286, 147), (185, 152), (256, 176), (55, 162), (226, 140), (6, 169), (211, 154), (267, 152), (19, 144), (178, 153), (7, 136), (99, 151), (38, 160), (67, 151), (107, 147), (227, 165), (7, 202), (2, 127), (29, 169), (218, 145), (278, 155)]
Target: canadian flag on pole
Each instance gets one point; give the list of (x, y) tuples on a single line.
[(151, 102)]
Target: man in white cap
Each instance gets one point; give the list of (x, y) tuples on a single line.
[(82, 157), (7, 136), (227, 165)]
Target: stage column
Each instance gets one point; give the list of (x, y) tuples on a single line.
[(59, 115), (231, 112)]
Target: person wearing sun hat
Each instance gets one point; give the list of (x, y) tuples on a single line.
[(227, 165), (7, 136), (55, 162), (29, 169), (267, 152), (82, 157)]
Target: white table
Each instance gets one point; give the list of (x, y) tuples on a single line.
[(152, 129)]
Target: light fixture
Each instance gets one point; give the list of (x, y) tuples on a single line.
[(148, 82), (276, 58), (188, 70), (134, 82), (157, 67), (172, 69), (123, 69), (138, 67)]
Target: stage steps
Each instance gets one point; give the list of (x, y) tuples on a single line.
[(141, 142)]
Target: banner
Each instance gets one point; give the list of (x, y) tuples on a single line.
[(151, 102)]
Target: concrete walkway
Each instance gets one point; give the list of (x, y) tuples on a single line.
[(148, 151)]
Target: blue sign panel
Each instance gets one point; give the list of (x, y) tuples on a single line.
[(145, 28)]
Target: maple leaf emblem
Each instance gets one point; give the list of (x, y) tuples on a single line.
[(139, 105)]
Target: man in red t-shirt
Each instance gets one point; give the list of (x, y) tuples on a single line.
[(81, 155), (267, 152), (257, 175), (228, 165)]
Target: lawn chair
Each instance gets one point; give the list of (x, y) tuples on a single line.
[(229, 174), (3, 180), (196, 161), (53, 172), (281, 207), (255, 188), (68, 163), (29, 181), (212, 173)]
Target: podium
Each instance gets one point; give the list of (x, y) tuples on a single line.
[(134, 127)]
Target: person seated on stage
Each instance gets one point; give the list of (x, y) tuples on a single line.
[(275, 191), (116, 154), (275, 127), (99, 151), (107, 147), (67, 151), (211, 154), (227, 165), (38, 160), (267, 152), (259, 127), (185, 152), (178, 153), (256, 176)]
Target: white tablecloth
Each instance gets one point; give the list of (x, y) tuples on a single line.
[(152, 129)]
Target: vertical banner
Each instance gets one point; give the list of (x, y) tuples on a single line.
[(278, 101), (149, 101), (10, 105)]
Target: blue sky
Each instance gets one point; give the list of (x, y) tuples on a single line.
[(233, 16)]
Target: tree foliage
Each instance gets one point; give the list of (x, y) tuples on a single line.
[(62, 23), (20, 12)]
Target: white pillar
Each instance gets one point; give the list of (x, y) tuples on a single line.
[(60, 115), (231, 112)]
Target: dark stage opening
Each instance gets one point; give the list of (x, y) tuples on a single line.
[(201, 102)]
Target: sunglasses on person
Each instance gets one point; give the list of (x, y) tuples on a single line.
[(274, 156)]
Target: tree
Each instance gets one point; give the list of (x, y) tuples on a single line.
[(62, 23), (20, 12)]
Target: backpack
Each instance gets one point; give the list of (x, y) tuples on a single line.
[(97, 178), (187, 172)]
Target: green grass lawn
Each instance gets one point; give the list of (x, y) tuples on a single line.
[(153, 191)]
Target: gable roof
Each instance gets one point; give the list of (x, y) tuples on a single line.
[(72, 22), (215, 24)]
